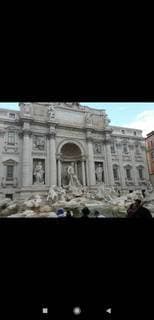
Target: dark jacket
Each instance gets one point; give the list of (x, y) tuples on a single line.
[(141, 212)]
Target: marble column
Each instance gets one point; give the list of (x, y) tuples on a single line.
[(87, 173), (52, 159), (91, 165), (83, 173), (121, 167), (59, 172), (26, 159), (134, 173), (110, 179)]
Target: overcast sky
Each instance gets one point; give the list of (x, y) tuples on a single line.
[(132, 115)]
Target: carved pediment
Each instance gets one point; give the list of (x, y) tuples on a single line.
[(9, 162)]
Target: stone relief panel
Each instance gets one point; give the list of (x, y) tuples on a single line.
[(38, 171), (39, 143), (97, 148)]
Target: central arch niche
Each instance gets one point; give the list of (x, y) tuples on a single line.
[(70, 152)]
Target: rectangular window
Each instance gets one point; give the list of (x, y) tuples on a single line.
[(141, 174), (128, 174), (11, 137), (115, 173), (9, 173)]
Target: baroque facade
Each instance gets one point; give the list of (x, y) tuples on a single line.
[(39, 143)]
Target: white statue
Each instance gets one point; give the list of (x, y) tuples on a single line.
[(52, 194), (51, 111), (99, 171), (39, 173), (61, 193), (73, 179)]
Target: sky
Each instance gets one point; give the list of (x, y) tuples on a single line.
[(131, 115)]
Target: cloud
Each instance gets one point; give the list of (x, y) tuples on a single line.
[(144, 121)]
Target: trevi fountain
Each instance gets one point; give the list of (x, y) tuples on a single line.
[(74, 197)]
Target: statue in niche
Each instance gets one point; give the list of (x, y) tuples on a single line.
[(99, 173), (39, 173), (73, 179), (97, 148), (51, 112), (39, 143)]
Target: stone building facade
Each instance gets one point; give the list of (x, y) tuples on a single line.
[(150, 154), (39, 142)]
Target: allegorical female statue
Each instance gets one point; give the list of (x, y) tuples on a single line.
[(99, 172), (39, 173)]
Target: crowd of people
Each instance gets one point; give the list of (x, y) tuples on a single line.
[(135, 210), (85, 213)]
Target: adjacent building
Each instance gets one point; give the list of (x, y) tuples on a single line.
[(150, 154), (39, 142)]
